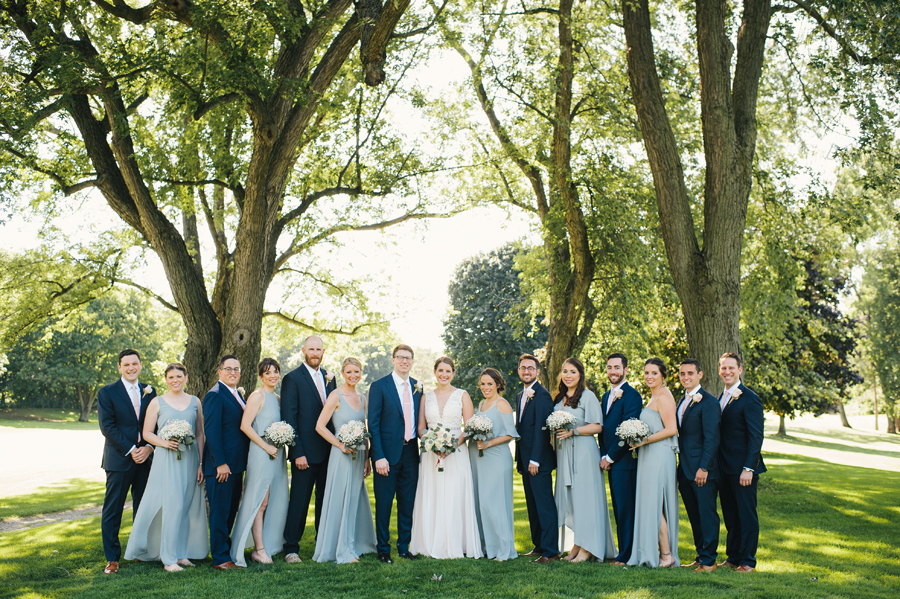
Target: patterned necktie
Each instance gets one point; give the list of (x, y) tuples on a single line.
[(407, 410)]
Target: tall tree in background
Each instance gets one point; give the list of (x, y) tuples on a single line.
[(487, 324), (244, 116)]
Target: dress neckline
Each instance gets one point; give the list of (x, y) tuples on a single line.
[(185, 409)]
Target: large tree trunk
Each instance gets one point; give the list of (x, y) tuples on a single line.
[(782, 429), (85, 403), (707, 277)]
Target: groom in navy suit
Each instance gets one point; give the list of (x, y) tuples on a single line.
[(126, 456), (536, 460), (698, 470), (622, 402), (224, 458), (303, 393), (740, 460), (393, 423)]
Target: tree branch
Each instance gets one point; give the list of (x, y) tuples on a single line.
[(149, 292), (424, 28), (845, 45), (293, 320)]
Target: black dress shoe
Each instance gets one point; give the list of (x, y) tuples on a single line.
[(385, 558), (409, 556)]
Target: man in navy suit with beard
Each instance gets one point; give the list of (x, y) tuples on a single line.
[(622, 402), (122, 407)]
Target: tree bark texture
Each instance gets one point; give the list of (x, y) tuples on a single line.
[(707, 276)]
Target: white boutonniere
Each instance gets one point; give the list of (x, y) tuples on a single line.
[(328, 378), (735, 394), (528, 393), (696, 397), (618, 393), (241, 391), (418, 387), (147, 390)]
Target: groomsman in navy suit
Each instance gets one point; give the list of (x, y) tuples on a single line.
[(303, 393), (740, 460), (126, 456), (698, 470), (393, 423), (224, 458), (620, 403), (536, 460)]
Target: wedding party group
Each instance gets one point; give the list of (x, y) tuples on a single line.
[(209, 478)]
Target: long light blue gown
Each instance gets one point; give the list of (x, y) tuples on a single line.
[(580, 492), (492, 475), (656, 494), (346, 528), (171, 522), (263, 475)]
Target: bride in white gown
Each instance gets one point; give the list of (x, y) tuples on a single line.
[(445, 524)]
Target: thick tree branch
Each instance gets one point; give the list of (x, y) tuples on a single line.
[(294, 321), (163, 301), (845, 45), (120, 9)]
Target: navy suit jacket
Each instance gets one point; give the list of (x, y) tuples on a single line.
[(626, 407), (741, 432), (534, 441), (225, 442), (386, 422), (119, 424), (698, 436), (300, 407)]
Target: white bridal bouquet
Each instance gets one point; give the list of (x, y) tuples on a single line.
[(439, 440), (479, 428), (278, 434), (559, 421), (177, 430), (632, 431), (353, 435)]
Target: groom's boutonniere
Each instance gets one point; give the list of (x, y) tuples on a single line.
[(528, 393), (241, 390), (418, 387), (147, 390), (329, 377), (696, 397), (735, 394), (618, 393)]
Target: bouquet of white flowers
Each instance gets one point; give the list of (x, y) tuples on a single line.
[(353, 435), (559, 421), (177, 430), (479, 428), (439, 440), (632, 431), (278, 434)]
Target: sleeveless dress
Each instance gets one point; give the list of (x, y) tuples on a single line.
[(346, 528), (445, 524), (492, 475), (263, 474), (580, 492), (656, 494), (171, 522)]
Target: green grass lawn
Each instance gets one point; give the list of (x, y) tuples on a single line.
[(51, 418), (70, 495), (827, 531)]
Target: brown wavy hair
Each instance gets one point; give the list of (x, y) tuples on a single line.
[(562, 390)]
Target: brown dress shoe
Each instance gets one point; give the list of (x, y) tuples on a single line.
[(534, 551), (745, 568), (728, 564), (111, 568), (229, 565), (616, 563), (702, 568), (691, 565), (546, 560)]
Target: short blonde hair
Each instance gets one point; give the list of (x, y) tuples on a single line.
[(351, 360)]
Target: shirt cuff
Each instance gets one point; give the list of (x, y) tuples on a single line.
[(133, 447), (609, 459), (535, 463), (748, 469)]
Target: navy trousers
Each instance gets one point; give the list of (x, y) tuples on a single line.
[(700, 505), (401, 482), (542, 516), (302, 483), (224, 499), (622, 489), (117, 487), (741, 519)]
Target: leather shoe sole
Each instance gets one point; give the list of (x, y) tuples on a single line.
[(229, 565), (111, 568), (729, 565), (546, 560), (702, 568), (692, 565), (745, 569), (616, 563)]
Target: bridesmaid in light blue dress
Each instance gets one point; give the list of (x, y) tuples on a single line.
[(580, 492), (170, 525), (492, 473), (346, 528), (656, 509), (260, 519)]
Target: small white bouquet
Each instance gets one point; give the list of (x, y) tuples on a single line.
[(632, 431), (479, 428), (559, 421), (177, 430), (439, 440), (353, 435), (278, 434)]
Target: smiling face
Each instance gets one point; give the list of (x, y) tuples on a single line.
[(352, 374), (402, 361), (230, 372), (689, 376), (730, 372), (175, 380), (271, 377), (570, 376), (528, 371), (130, 368), (488, 386), (652, 376), (313, 349), (615, 371), (443, 373)]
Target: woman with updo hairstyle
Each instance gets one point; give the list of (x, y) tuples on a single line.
[(445, 524), (170, 524), (346, 529), (580, 493), (260, 520), (493, 471), (656, 504)]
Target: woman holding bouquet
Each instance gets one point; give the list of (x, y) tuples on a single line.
[(260, 519), (445, 524), (346, 528), (656, 507), (170, 525), (580, 493), (492, 466)]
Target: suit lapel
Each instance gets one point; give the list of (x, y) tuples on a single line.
[(309, 380), (392, 389), (123, 397), (224, 390)]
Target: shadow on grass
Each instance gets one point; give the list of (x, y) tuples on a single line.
[(822, 442), (72, 494)]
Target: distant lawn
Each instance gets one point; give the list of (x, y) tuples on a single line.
[(827, 531), (72, 494), (53, 418)]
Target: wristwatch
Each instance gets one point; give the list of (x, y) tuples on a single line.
[(704, 469)]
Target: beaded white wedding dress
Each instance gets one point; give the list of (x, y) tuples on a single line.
[(445, 525)]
